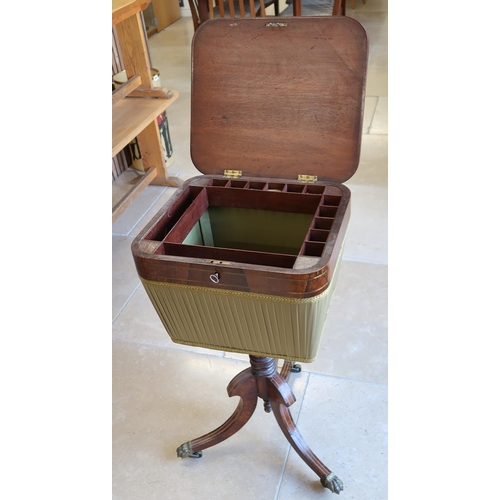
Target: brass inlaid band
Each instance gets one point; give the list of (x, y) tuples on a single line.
[(251, 295)]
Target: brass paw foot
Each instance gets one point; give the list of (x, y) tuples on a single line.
[(333, 483), (186, 451)]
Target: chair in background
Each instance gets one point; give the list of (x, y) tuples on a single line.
[(202, 10), (339, 7)]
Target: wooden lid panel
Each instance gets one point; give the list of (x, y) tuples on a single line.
[(278, 99)]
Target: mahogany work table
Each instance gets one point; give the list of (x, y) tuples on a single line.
[(245, 257)]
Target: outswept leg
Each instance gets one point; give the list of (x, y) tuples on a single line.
[(243, 385), (281, 398), (288, 368), (262, 380)]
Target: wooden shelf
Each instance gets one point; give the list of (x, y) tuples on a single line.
[(132, 114), (137, 104), (141, 184), (123, 9)]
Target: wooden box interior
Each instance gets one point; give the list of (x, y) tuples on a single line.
[(279, 224)]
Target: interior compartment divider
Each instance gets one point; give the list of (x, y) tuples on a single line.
[(189, 218), (227, 254)]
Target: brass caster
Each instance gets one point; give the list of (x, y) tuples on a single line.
[(186, 451), (333, 483), (296, 368)]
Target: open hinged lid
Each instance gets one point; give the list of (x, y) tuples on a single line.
[(278, 97)]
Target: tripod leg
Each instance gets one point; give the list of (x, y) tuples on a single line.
[(243, 385), (289, 367), (281, 398)]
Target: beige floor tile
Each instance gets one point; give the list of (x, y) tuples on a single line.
[(369, 6), (377, 34), (136, 210), (376, 24), (380, 118), (378, 56), (179, 113), (377, 81), (172, 47), (167, 53), (354, 342), (377, 31), (366, 239), (153, 210), (178, 33), (346, 427), (373, 162), (236, 355), (183, 165), (369, 111), (172, 61), (125, 279), (178, 78), (162, 399), (139, 323)]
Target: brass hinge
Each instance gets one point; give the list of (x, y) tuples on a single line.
[(307, 178), (232, 173)]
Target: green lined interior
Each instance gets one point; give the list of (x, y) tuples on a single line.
[(251, 229)]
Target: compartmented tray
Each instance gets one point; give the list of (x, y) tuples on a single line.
[(228, 220)]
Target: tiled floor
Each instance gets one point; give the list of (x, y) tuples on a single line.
[(165, 394)]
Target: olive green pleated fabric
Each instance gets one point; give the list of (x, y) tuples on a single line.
[(225, 320)]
